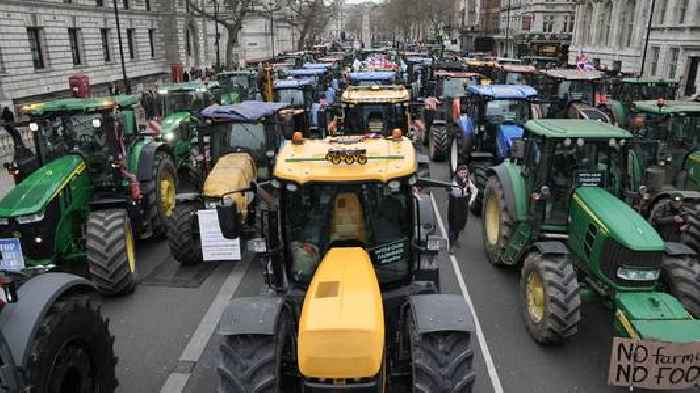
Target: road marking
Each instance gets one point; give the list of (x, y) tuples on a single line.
[(493, 373), (176, 381)]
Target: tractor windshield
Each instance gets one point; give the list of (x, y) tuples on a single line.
[(457, 87), (67, 130), (184, 101), (577, 90), (247, 136), (291, 96), (681, 128), (242, 81), (368, 215), (379, 118), (499, 111), (515, 78)]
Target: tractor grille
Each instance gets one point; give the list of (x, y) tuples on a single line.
[(616, 255), (45, 229)]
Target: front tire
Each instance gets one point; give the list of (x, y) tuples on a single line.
[(441, 361), (73, 350), (111, 253), (549, 291), (159, 194), (252, 363), (438, 143), (496, 221), (682, 276), (183, 235)]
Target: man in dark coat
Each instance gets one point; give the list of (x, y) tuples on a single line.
[(462, 194), (669, 220)]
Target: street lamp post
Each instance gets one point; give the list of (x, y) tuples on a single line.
[(646, 42), (121, 48), (216, 33), (507, 29), (272, 26)]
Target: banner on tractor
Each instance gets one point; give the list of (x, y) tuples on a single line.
[(215, 247), (654, 364)]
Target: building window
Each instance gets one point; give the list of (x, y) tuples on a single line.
[(74, 38), (548, 23), (2, 64), (568, 25), (151, 34), (148, 5), (682, 10), (104, 33), (188, 44), (673, 63), (661, 12), (130, 33), (654, 60), (126, 4), (35, 35), (99, 3)]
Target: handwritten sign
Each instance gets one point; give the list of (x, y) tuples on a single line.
[(215, 247), (654, 364), (589, 179), (389, 253)]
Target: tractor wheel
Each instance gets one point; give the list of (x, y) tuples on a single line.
[(549, 292), (691, 237), (441, 361), (682, 276), (480, 178), (438, 143), (183, 235), (251, 363), (496, 221), (159, 194), (111, 253), (73, 350)]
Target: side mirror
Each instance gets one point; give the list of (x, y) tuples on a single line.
[(229, 221), (517, 150)]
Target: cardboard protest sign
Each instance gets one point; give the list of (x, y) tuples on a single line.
[(654, 364)]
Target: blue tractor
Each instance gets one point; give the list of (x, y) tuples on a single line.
[(372, 78), (299, 94), (492, 118)]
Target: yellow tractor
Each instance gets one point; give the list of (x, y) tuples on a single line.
[(350, 250), (374, 109)]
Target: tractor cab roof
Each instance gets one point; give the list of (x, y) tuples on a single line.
[(419, 59), (302, 72), (503, 91), (316, 66), (508, 60), (246, 111), (518, 68), (560, 128), (450, 74), (669, 106), (307, 162), (573, 74), (649, 81), (375, 94), (481, 63), (80, 105), (187, 86), (450, 66), (290, 83), (372, 76), (247, 71)]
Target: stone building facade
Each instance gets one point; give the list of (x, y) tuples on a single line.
[(613, 34)]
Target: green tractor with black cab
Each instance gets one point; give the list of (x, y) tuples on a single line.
[(623, 92), (554, 210), (237, 86), (98, 186)]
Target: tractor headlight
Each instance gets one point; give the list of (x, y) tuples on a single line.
[(169, 136), (96, 123), (4, 221), (634, 274), (436, 243), (34, 127), (395, 185), (162, 92), (30, 218), (257, 245)]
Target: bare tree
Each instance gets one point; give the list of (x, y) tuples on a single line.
[(309, 17)]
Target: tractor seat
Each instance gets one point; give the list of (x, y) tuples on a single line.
[(347, 221)]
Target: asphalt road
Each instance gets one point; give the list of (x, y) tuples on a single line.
[(163, 329)]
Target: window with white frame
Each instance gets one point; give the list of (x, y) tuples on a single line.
[(673, 62), (654, 60), (548, 23)]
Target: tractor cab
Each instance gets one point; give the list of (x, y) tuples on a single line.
[(374, 109), (621, 93), (347, 236), (372, 78), (572, 94), (485, 67), (542, 62), (243, 83), (416, 74), (299, 94), (318, 75), (185, 97), (510, 74)]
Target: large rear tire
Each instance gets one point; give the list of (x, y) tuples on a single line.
[(252, 363), (183, 235), (438, 144), (159, 194), (111, 253), (549, 291), (441, 362), (682, 276), (496, 221), (73, 350)]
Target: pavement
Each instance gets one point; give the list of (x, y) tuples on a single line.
[(165, 341)]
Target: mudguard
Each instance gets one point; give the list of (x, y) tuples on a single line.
[(440, 313), (19, 321), (551, 248), (251, 315), (148, 153), (675, 249), (513, 189)]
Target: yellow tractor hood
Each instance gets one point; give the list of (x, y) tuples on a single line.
[(341, 331), (232, 172)]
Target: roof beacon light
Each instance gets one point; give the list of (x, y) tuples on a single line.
[(298, 138), (396, 135)]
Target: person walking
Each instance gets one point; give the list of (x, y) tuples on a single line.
[(7, 116), (462, 195)]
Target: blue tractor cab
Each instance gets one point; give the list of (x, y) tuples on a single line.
[(319, 75), (372, 78), (299, 94), (492, 119)]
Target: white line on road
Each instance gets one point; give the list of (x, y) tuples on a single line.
[(176, 382), (490, 366)]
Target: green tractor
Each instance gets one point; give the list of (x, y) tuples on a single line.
[(237, 86), (98, 185), (53, 336), (554, 210), (625, 91)]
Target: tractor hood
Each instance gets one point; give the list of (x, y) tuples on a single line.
[(232, 172), (507, 133), (172, 121), (35, 192), (341, 330), (624, 225)]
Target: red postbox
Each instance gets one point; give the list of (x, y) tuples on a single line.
[(176, 72), (79, 85)]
